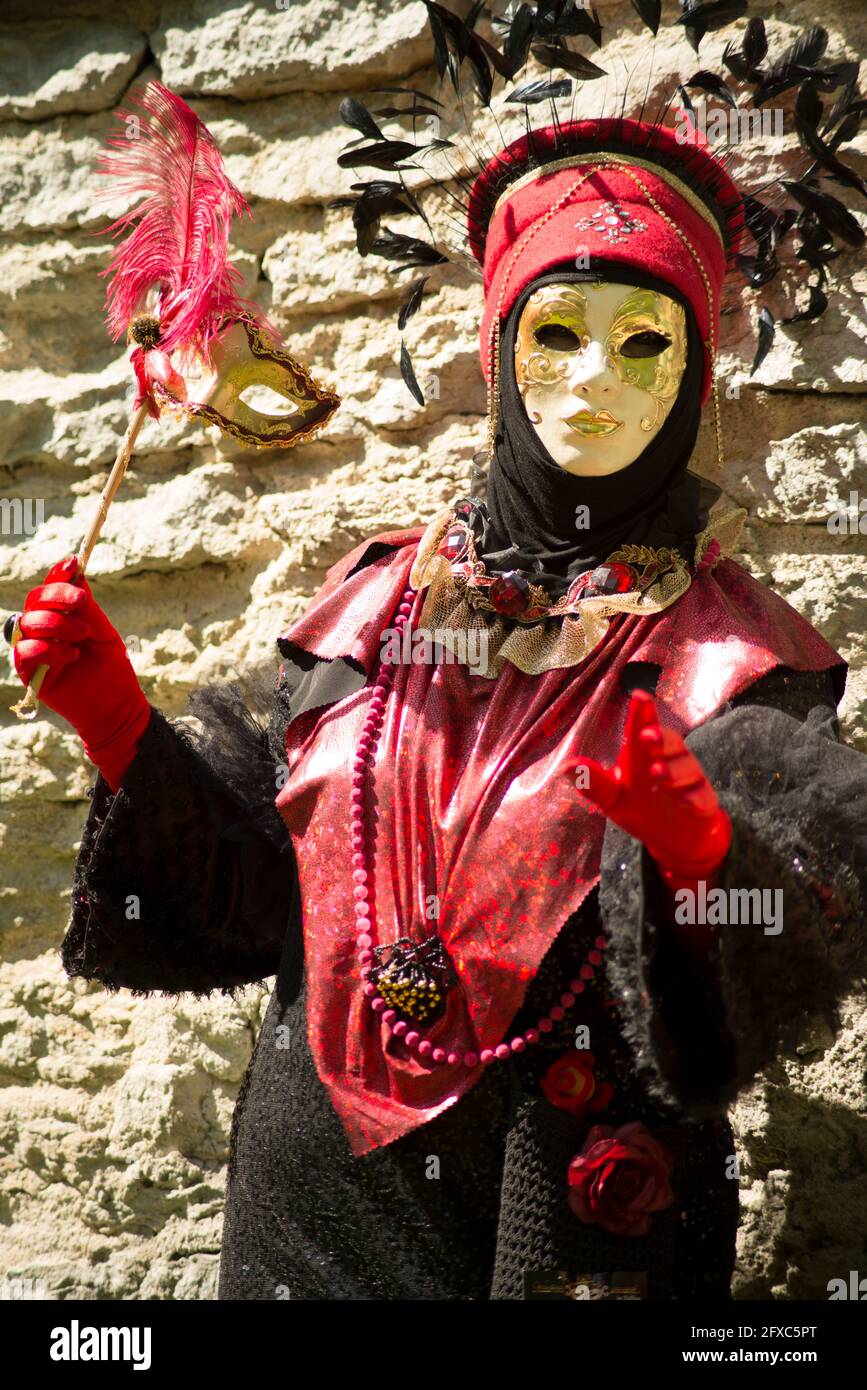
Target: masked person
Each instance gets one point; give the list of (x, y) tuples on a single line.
[(538, 917)]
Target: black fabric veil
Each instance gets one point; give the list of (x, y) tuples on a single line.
[(529, 521)]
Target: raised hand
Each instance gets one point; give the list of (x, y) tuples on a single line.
[(90, 681), (658, 792)]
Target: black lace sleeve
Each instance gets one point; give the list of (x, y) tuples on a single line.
[(790, 934), (186, 878)]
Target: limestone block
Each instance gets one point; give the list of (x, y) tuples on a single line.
[(266, 49), (57, 65)]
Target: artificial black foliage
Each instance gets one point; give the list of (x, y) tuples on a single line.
[(352, 113), (531, 93), (409, 376), (754, 44), (711, 82), (385, 154), (708, 16), (411, 302), (767, 329), (758, 270), (580, 67), (830, 212), (409, 250), (685, 100), (520, 34), (415, 111), (817, 306), (649, 12), (567, 20)]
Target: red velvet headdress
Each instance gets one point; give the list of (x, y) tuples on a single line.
[(615, 195)]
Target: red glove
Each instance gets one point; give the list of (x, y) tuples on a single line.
[(658, 792), (91, 682)]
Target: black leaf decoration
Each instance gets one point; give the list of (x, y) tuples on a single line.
[(848, 127), (554, 57), (386, 154), (561, 19), (415, 110), (352, 113), (808, 107), (849, 83), (829, 211), (758, 270), (685, 101), (376, 198), (649, 12), (442, 57), (409, 250), (533, 92), (805, 52), (733, 59), (411, 302), (409, 375), (816, 307), (816, 248), (711, 82), (520, 34), (708, 16), (754, 44), (808, 114), (793, 65), (767, 328)]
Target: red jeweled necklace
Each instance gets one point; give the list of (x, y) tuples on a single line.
[(363, 762)]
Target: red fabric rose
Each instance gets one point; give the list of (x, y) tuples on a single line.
[(569, 1083), (620, 1177)]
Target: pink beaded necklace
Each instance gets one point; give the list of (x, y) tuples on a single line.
[(363, 762)]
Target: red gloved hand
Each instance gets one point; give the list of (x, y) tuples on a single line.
[(658, 792), (91, 682)]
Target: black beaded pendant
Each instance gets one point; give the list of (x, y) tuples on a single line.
[(413, 977)]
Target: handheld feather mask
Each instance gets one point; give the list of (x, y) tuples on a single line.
[(172, 288)]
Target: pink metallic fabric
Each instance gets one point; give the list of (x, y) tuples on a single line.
[(473, 812)]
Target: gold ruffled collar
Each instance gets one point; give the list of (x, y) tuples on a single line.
[(458, 616)]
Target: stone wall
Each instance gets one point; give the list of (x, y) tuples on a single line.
[(114, 1112)]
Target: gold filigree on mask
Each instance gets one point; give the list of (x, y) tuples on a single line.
[(564, 306), (659, 373), (243, 358), (654, 365)]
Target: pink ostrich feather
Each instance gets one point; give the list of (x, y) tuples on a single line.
[(178, 245)]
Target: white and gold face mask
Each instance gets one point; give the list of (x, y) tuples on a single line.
[(598, 367)]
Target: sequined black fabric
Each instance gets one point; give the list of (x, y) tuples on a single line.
[(462, 1207)]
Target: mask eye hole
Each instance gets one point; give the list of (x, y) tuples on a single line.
[(557, 337), (648, 343)]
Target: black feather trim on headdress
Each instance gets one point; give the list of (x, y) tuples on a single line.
[(469, 62)]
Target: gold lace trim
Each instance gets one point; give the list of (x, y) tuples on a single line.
[(561, 639)]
